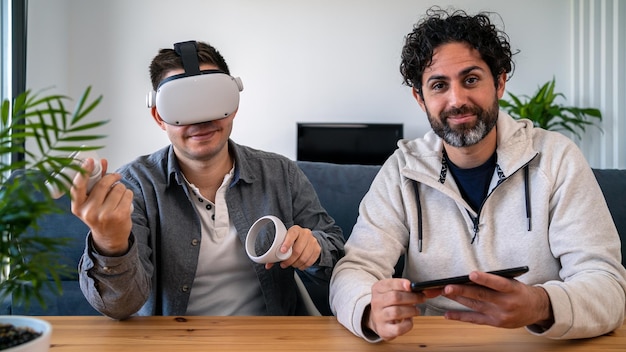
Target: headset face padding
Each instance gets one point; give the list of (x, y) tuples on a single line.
[(186, 100)]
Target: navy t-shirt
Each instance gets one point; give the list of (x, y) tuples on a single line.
[(474, 182)]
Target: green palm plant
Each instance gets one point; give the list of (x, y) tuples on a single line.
[(544, 112), (52, 133)]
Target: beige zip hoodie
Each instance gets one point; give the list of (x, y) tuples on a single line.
[(572, 247)]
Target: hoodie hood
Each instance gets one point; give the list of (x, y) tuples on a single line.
[(422, 159)]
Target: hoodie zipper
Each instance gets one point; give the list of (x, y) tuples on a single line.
[(476, 219), (475, 222)]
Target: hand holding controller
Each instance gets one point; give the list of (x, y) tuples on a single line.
[(274, 254), (70, 173)]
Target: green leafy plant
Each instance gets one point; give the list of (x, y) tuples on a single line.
[(51, 132), (543, 110)]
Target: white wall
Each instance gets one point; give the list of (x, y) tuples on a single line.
[(300, 61)]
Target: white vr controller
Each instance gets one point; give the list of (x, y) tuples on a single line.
[(67, 174), (274, 254)]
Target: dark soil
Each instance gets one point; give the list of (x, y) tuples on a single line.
[(12, 336)]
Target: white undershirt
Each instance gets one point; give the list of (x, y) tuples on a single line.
[(225, 281)]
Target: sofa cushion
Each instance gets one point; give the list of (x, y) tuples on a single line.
[(71, 300), (340, 188)]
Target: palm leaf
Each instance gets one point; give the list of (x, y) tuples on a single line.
[(542, 109), (50, 128)]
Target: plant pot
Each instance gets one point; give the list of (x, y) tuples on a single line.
[(39, 344)]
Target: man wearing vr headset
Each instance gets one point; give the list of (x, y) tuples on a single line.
[(167, 231)]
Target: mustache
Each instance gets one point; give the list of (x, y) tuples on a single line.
[(201, 127), (463, 110)]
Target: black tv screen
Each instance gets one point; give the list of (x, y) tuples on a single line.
[(348, 143)]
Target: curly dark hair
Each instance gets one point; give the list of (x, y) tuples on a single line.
[(440, 27), (168, 59)]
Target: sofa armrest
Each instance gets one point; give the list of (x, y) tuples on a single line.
[(613, 185)]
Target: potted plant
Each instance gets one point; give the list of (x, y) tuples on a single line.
[(545, 112), (29, 262), (24, 334)]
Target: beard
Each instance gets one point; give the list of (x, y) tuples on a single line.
[(466, 134)]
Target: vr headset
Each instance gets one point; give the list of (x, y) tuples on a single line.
[(195, 96)]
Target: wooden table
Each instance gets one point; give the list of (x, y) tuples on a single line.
[(295, 334)]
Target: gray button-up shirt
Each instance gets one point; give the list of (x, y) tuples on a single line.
[(155, 276)]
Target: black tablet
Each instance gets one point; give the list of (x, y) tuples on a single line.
[(510, 273)]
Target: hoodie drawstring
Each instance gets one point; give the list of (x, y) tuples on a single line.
[(527, 195), (419, 217)]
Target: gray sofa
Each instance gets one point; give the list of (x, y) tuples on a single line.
[(340, 189)]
